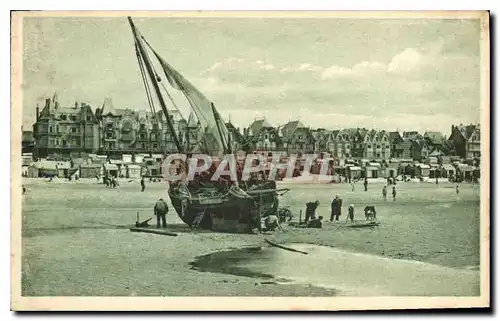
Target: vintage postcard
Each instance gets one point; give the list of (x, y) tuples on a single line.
[(250, 160)]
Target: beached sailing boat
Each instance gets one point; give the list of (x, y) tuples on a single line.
[(222, 205)]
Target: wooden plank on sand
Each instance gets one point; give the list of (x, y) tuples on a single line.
[(284, 247), (153, 231)]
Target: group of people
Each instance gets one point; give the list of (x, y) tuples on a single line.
[(110, 181), (336, 210), (384, 193)]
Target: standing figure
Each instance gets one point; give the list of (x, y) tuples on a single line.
[(350, 214), (370, 213), (366, 184), (336, 208), (161, 210), (384, 192), (457, 189), (311, 210), (143, 185), (394, 193), (352, 184)]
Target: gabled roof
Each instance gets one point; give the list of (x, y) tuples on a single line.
[(436, 152), (466, 131), (321, 134), (232, 129), (107, 106), (434, 137), (192, 120), (291, 126), (257, 125), (419, 142), (395, 135)]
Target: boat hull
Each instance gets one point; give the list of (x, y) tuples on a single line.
[(225, 213)]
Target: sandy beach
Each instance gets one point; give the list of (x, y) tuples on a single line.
[(76, 242)]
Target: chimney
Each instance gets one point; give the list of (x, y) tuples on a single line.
[(76, 105), (37, 112)]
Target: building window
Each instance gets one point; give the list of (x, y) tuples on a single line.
[(378, 146), (63, 117), (72, 117), (109, 134), (50, 129), (387, 146), (57, 128), (89, 117), (369, 146), (155, 146), (143, 127), (143, 136), (73, 130), (109, 125), (143, 145)]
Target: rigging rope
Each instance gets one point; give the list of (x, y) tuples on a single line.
[(146, 84), (170, 97), (191, 103)]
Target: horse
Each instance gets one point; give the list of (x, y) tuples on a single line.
[(370, 213)]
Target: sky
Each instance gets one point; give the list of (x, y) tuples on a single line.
[(398, 74)]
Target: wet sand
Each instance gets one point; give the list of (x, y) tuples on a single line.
[(72, 246)]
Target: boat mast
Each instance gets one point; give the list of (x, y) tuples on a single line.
[(154, 80)]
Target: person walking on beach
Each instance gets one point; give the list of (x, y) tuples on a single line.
[(394, 193), (311, 210), (352, 184), (336, 208), (161, 210), (457, 189), (350, 214), (143, 185), (384, 192)]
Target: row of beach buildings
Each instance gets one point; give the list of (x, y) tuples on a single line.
[(151, 165)]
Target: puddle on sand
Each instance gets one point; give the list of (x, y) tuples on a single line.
[(351, 274)]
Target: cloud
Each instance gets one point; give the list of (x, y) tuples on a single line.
[(360, 69), (267, 67), (405, 62)]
